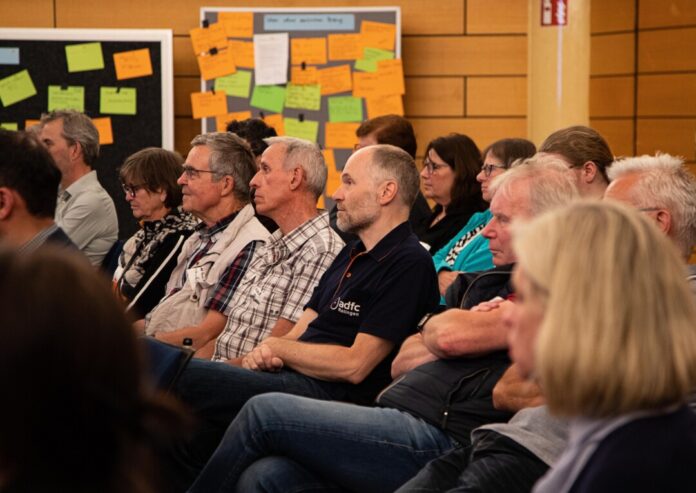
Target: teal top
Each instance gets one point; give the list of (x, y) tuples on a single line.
[(468, 250)]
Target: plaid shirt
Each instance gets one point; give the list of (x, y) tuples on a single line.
[(277, 284)]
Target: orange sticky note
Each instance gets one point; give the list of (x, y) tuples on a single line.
[(275, 121), (217, 65), (379, 34), (333, 180), (103, 125), (300, 76), (237, 24), (334, 79), (320, 203), (205, 104), (205, 38), (392, 104), (30, 123), (329, 158), (130, 64), (243, 53), (222, 120), (311, 51), (345, 46), (391, 74), (366, 85), (340, 135)]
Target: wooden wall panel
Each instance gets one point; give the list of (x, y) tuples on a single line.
[(483, 131), (618, 133), (496, 96), (612, 16), (612, 54), (183, 87), (465, 55), (185, 129), (667, 50), (667, 95), (18, 13), (611, 96), (675, 136), (665, 13), (486, 17), (184, 59), (434, 96)]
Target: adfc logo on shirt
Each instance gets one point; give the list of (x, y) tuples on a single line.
[(350, 308)]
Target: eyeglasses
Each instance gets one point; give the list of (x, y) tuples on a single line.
[(192, 172), (431, 167), (487, 169), (131, 190)]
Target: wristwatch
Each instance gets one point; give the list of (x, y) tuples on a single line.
[(424, 321)]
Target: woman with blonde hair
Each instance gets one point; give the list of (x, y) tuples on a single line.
[(612, 344)]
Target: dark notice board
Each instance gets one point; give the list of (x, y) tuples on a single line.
[(42, 53)]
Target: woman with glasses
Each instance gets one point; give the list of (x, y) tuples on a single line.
[(468, 251), (449, 179), (149, 256)]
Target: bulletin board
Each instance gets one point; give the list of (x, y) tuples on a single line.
[(121, 78), (312, 73)]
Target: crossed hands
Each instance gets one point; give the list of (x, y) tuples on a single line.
[(262, 358)]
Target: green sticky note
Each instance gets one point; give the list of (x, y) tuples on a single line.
[(85, 56), (345, 109), (368, 63), (306, 129), (271, 98), (72, 98), (237, 84), (9, 126), (16, 87), (117, 101), (306, 97)]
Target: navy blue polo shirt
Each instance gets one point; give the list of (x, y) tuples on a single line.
[(383, 292)]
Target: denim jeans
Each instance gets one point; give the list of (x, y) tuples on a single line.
[(286, 443)]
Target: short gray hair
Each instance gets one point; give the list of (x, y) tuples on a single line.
[(663, 181), (77, 128), (306, 155), (229, 155), (391, 162), (551, 182)]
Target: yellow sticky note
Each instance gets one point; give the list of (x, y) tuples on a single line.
[(205, 38), (84, 56), (340, 135), (385, 105), (345, 46), (222, 120), (135, 63), (205, 104), (237, 24), (275, 121), (311, 51), (242, 52), (334, 79), (380, 34), (71, 97), (16, 87), (217, 65), (10, 126), (103, 125), (118, 100), (320, 203), (300, 76), (391, 75), (30, 123)]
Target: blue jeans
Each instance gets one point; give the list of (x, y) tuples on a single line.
[(287, 443)]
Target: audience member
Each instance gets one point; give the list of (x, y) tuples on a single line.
[(255, 132), (149, 180), (82, 418), (449, 172), (468, 250), (84, 211), (28, 187)]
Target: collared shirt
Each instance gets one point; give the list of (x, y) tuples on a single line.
[(52, 234), (277, 284), (87, 215)]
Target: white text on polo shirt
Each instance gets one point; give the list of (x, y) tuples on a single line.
[(350, 308)]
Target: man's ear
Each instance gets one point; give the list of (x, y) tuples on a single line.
[(589, 172), (296, 178), (664, 221), (7, 201), (75, 151), (227, 182), (387, 192)]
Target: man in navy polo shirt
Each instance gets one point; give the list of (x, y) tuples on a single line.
[(368, 301)]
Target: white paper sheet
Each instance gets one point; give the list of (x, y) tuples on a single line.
[(271, 55)]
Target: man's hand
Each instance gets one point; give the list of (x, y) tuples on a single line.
[(262, 358), (487, 306), (445, 278)]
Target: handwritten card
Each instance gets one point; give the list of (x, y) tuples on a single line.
[(242, 52), (311, 51), (237, 24), (306, 97), (345, 109), (385, 105), (271, 58), (237, 84), (222, 120), (366, 85), (391, 73), (368, 63), (340, 135), (382, 35), (84, 56), (106, 135), (16, 87), (307, 129), (117, 100), (206, 104), (345, 46), (131, 64), (217, 65), (277, 122), (271, 98), (334, 80), (308, 75), (71, 97), (205, 38)]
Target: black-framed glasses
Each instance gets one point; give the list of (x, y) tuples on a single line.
[(487, 169), (431, 167), (192, 172), (131, 190)]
